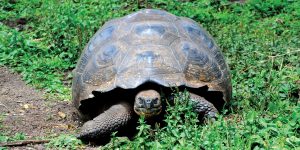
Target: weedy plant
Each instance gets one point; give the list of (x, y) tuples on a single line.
[(260, 41), (17, 136), (6, 138), (64, 142)]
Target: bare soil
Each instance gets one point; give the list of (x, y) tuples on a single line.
[(24, 110)]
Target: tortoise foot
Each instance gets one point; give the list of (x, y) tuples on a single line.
[(204, 107), (114, 118)]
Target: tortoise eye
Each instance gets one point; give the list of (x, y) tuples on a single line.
[(155, 101), (141, 100)]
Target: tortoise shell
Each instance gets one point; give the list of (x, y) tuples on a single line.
[(150, 46)]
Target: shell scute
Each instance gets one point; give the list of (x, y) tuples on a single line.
[(104, 35), (148, 30), (107, 54), (150, 15)]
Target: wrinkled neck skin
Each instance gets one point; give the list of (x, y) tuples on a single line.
[(148, 103)]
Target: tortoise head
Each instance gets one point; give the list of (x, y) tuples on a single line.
[(147, 103)]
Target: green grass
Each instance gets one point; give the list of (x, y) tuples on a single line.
[(16, 137), (245, 131), (63, 141), (260, 40)]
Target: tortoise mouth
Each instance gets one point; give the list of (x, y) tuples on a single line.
[(148, 112)]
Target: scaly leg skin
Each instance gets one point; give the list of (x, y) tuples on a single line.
[(204, 107), (109, 121)]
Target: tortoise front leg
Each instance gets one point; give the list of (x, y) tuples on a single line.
[(109, 121), (203, 107)]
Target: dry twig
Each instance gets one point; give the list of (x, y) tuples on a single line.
[(22, 143)]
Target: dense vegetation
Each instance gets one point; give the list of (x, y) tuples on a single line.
[(42, 40)]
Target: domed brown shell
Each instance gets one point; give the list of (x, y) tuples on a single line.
[(150, 45)]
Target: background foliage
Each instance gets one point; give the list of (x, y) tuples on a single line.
[(260, 39)]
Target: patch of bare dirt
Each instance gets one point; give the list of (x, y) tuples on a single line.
[(18, 24), (24, 110)]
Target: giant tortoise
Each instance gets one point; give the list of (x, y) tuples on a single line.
[(129, 57)]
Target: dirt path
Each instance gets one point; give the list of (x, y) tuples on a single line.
[(24, 110)]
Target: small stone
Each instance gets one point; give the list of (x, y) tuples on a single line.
[(29, 106), (26, 106), (62, 115), (4, 91)]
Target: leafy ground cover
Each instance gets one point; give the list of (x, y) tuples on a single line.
[(42, 40)]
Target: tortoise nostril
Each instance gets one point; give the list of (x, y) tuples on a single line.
[(148, 101)]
